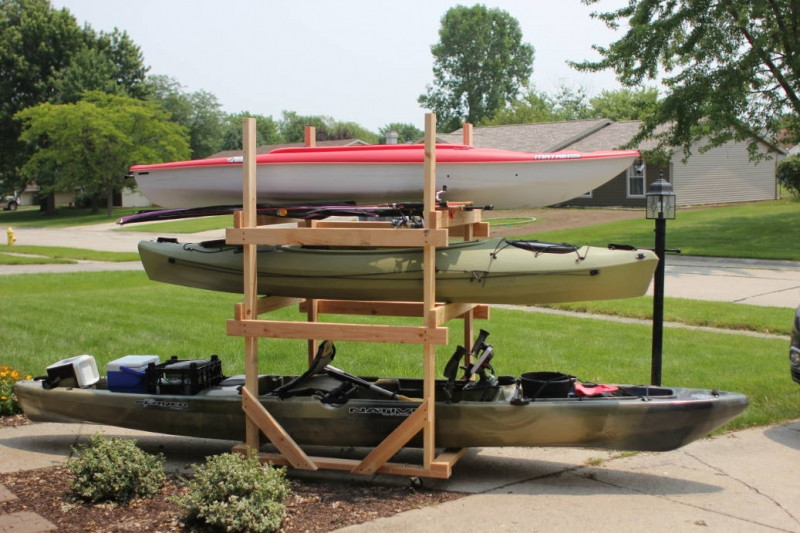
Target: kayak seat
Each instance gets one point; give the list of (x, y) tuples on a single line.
[(325, 354), (265, 383)]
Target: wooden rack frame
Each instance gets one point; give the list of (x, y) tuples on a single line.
[(440, 225)]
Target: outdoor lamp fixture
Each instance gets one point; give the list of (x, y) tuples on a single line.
[(660, 200), (660, 207)]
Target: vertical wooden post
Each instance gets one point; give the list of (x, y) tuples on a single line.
[(310, 136), (429, 292), (470, 316), (310, 139), (467, 132), (312, 315), (250, 281)]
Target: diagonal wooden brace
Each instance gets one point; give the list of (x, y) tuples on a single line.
[(275, 433)]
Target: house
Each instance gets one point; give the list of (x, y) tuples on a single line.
[(721, 175)]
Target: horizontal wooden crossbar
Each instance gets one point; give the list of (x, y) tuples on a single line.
[(444, 312), (392, 237), (344, 332)]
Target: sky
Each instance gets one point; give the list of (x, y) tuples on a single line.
[(363, 61)]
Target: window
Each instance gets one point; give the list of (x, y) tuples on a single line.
[(636, 179)]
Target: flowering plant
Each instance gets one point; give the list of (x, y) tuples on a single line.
[(8, 401)]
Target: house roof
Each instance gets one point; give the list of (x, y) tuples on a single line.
[(539, 137), (615, 135), (266, 148)]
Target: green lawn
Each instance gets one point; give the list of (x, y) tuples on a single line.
[(9, 255), (63, 217), (761, 230)]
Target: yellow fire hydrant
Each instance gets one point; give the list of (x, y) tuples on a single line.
[(11, 238)]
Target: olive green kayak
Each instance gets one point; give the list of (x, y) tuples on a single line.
[(331, 408), (491, 271)]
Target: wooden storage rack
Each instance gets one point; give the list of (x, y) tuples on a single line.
[(249, 231)]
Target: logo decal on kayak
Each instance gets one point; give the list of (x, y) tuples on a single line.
[(556, 156), (237, 159), (382, 411), (162, 404)]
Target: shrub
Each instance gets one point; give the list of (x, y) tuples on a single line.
[(788, 173), (8, 400), (234, 492), (115, 469)]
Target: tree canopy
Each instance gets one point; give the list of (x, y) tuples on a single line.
[(90, 144), (292, 128), (480, 65), (574, 104), (731, 69), (46, 57)]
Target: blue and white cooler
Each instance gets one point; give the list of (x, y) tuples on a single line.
[(127, 374)]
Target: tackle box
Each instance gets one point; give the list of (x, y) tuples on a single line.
[(79, 371), (127, 374), (183, 377)]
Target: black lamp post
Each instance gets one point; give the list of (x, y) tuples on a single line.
[(660, 207)]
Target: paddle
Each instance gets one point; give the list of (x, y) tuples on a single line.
[(335, 372)]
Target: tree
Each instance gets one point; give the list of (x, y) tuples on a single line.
[(406, 133), (292, 128), (108, 62), (36, 44), (788, 173), (199, 112), (731, 69), (531, 108), (480, 65), (46, 57), (92, 143), (625, 104), (266, 131)]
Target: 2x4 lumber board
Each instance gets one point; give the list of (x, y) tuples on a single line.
[(467, 134), (445, 312), (448, 312), (389, 237), (261, 220), (396, 440), (266, 304), (429, 170), (249, 268), (310, 136), (429, 295), (351, 224), (479, 230), (438, 470), (312, 314), (346, 332), (275, 432), (458, 217)]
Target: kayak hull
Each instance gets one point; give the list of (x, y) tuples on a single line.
[(651, 419), (491, 271), (383, 173)]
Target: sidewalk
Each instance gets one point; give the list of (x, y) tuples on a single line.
[(712, 485)]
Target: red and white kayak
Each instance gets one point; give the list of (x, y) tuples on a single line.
[(386, 173)]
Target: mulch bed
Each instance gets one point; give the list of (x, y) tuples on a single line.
[(313, 506)]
